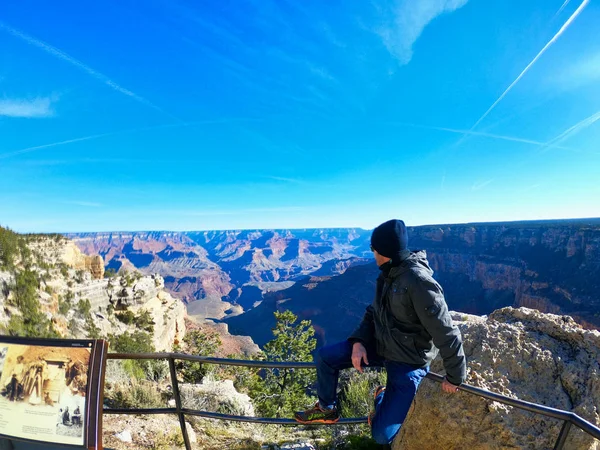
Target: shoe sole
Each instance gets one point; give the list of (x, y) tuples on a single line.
[(378, 391), (323, 421)]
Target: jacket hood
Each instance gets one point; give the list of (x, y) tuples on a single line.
[(416, 260)]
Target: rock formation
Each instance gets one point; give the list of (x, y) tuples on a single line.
[(213, 270), (549, 265), (73, 294), (68, 253), (541, 358)]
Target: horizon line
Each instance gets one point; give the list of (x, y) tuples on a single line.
[(501, 222)]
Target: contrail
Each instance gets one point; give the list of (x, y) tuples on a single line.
[(132, 130), (54, 144), (566, 2), (571, 131), (483, 134), (533, 61), (84, 67)]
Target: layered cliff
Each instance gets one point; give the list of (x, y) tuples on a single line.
[(223, 272), (49, 284), (551, 266)]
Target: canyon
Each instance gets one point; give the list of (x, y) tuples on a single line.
[(242, 277)]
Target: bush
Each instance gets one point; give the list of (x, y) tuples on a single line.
[(91, 330), (135, 394), (110, 273), (145, 321), (64, 306), (84, 307), (79, 274), (356, 396), (197, 342), (136, 342), (31, 322), (126, 317), (9, 247)]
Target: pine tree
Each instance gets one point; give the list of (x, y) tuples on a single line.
[(282, 391)]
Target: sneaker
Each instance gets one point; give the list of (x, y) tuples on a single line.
[(318, 415), (378, 391)]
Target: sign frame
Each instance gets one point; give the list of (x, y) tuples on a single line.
[(94, 391)]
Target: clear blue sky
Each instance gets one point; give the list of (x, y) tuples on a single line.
[(186, 115)]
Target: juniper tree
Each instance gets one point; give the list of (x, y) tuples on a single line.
[(281, 391)]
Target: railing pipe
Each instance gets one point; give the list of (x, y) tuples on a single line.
[(177, 395), (569, 418), (562, 436)]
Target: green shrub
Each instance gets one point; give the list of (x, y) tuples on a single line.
[(145, 321), (91, 330), (356, 396), (79, 274), (84, 307), (136, 342), (136, 394), (127, 317), (64, 306), (32, 322), (9, 247), (197, 342)]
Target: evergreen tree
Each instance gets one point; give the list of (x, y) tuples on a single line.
[(282, 391), (200, 343)]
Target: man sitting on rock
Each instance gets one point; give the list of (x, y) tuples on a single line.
[(407, 318)]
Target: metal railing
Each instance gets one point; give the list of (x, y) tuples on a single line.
[(569, 418)]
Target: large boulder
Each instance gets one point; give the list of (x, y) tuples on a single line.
[(520, 353)]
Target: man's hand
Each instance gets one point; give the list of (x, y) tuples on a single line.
[(359, 354), (449, 387)]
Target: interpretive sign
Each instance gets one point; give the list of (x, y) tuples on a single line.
[(51, 390)]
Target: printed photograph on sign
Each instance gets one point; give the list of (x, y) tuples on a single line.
[(47, 384)]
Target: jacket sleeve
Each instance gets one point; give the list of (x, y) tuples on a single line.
[(365, 333), (429, 303)]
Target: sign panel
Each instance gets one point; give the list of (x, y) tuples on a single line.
[(49, 390)]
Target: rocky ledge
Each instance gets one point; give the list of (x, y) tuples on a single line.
[(521, 353)]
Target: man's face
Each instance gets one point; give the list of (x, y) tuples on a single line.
[(379, 259)]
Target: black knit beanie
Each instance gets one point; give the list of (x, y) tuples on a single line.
[(390, 239)]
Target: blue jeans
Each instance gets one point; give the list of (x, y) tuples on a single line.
[(391, 406)]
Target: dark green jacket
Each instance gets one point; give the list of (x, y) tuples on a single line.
[(409, 318)]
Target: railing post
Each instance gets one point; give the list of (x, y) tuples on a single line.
[(175, 384), (562, 436)]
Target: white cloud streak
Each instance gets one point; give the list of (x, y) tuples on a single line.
[(286, 180), (133, 130), (564, 5), (75, 62), (533, 61), (571, 131), (480, 185), (487, 135), (35, 108), (405, 21), (53, 144)]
